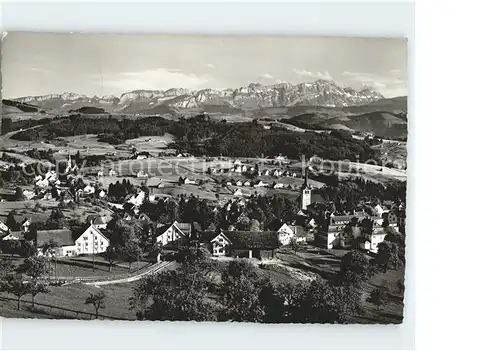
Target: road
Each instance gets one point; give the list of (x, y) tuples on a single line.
[(152, 270)]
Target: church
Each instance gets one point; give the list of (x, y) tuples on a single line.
[(307, 197)]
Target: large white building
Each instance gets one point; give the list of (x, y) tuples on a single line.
[(92, 241), (176, 232)]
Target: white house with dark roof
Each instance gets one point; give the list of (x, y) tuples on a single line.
[(175, 232), (91, 241)]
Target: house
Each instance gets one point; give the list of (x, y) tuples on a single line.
[(288, 232), (137, 199), (112, 173), (229, 183), (247, 183), (42, 183), (102, 194), (370, 241), (237, 192), (3, 227), (155, 182), (16, 235), (244, 168), (267, 172), (189, 181), (279, 186), (28, 194), (62, 237), (173, 233), (237, 169), (142, 175), (89, 190), (261, 245), (91, 241), (285, 234), (141, 157), (260, 184), (100, 222), (239, 183), (25, 224), (100, 174), (379, 210)]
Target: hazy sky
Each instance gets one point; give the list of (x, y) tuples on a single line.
[(97, 64)]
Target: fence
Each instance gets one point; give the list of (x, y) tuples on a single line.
[(64, 312)]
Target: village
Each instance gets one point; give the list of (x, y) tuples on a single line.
[(123, 219), (363, 229)]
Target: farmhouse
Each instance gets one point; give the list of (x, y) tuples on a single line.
[(112, 173), (261, 245), (189, 181), (91, 241), (142, 175), (287, 232), (238, 192), (89, 190), (3, 228), (9, 236), (62, 237), (370, 241), (28, 194), (174, 233)]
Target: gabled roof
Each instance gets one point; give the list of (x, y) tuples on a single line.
[(253, 240), (19, 235), (62, 237), (337, 219), (223, 235), (96, 219), (185, 228)]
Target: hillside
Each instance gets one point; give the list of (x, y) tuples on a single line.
[(385, 118), (89, 110), (13, 106), (381, 124)]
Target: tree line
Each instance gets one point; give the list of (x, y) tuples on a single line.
[(201, 135)]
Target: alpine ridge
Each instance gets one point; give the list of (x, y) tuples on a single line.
[(320, 93)]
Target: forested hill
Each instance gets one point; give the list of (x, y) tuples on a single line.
[(202, 136)]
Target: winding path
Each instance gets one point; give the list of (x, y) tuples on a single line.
[(156, 268)]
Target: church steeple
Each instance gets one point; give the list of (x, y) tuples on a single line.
[(306, 179), (306, 192)]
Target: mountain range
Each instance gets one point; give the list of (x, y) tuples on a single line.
[(320, 93), (317, 105)]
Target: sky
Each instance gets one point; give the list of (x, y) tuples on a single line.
[(105, 64)]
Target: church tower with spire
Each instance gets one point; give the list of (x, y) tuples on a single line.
[(306, 192)]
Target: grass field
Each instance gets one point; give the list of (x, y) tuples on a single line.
[(73, 297)]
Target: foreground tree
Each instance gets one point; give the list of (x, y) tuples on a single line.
[(35, 268), (36, 288), (355, 269), (111, 255), (241, 288), (180, 294), (97, 300), (15, 285), (50, 248)]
